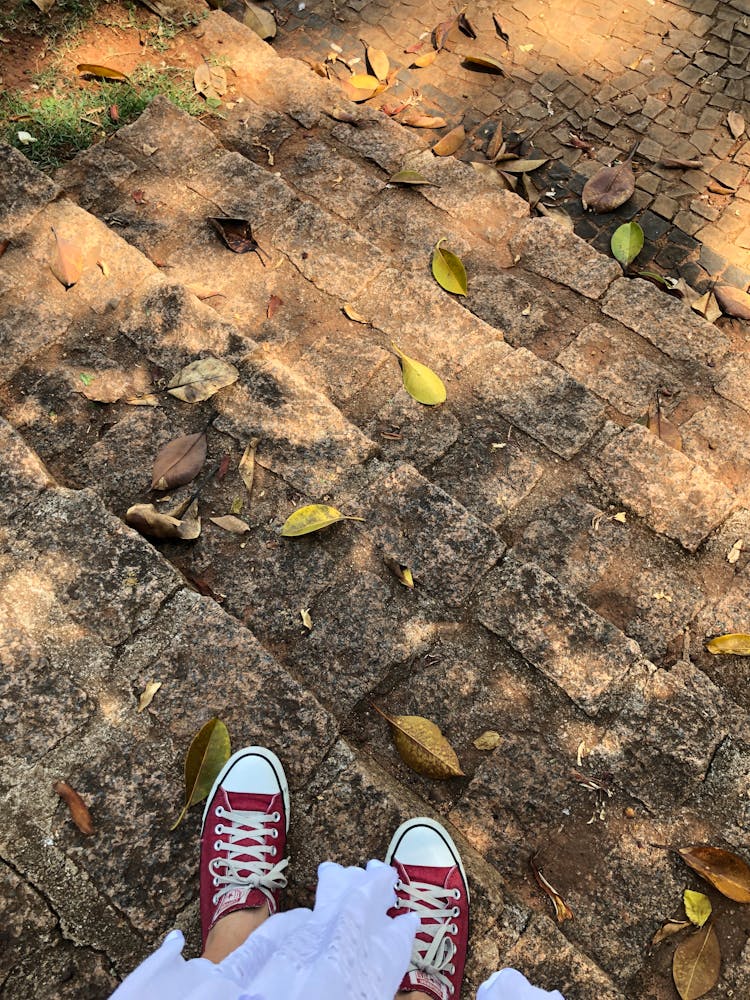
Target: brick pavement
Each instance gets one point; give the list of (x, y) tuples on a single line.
[(536, 612), (659, 73)]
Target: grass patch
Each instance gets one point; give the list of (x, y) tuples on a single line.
[(65, 18), (64, 125)]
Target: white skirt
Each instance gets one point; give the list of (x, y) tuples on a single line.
[(346, 948)]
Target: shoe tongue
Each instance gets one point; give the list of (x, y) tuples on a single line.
[(420, 981), (245, 802)]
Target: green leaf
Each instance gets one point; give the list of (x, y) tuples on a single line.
[(697, 907), (311, 518), (207, 754), (420, 381), (448, 270), (627, 242), (409, 177), (86, 379)]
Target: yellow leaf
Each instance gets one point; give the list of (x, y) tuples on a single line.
[(67, 263), (231, 523), (725, 871), (448, 270), (147, 695), (313, 517), (426, 59), (418, 119), (621, 517), (522, 166), (207, 754), (89, 69), (352, 314), (247, 464), (696, 964), (409, 177), (562, 911), (486, 62), (420, 381), (697, 907), (363, 81), (306, 619), (451, 142), (201, 379), (379, 63), (422, 746), (488, 740), (358, 94), (736, 643), (402, 573)]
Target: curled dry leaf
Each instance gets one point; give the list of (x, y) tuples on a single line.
[(378, 62), (562, 910), (147, 695), (247, 464), (499, 29), (207, 754), (306, 619), (210, 81), (484, 62), (179, 461), (273, 306), (465, 26), (736, 124), (489, 740), (677, 164), (351, 313), (496, 143), (201, 379), (523, 166), (259, 20), (734, 643), (668, 928), (735, 552), (441, 31), (724, 870), (79, 812), (420, 381), (147, 520), (451, 142), (417, 119), (425, 60), (364, 81), (707, 306), (409, 177), (359, 94), (422, 746), (103, 72), (557, 215), (733, 301), (112, 385), (610, 187), (402, 573), (696, 964), (448, 270), (67, 261), (229, 522), (697, 907), (235, 234), (627, 242), (311, 518), (663, 427)]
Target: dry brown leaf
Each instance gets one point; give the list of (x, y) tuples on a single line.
[(236, 234), (733, 301), (79, 812), (662, 426), (562, 910), (441, 31), (201, 379), (306, 619), (610, 187), (422, 746), (736, 124), (668, 928), (451, 142), (724, 870), (67, 261), (147, 695), (210, 81), (489, 740), (677, 164), (103, 72), (696, 964), (229, 522), (378, 62), (417, 119), (147, 520), (179, 461), (496, 143), (425, 60), (707, 306), (247, 464), (351, 313), (402, 573)]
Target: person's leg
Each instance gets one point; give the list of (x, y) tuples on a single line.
[(243, 838)]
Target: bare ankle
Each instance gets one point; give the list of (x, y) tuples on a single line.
[(231, 931)]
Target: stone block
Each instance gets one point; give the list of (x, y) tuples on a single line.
[(718, 439), (22, 474), (548, 249), (383, 141), (512, 305), (342, 185), (671, 493), (667, 323), (536, 396), (425, 433), (343, 363), (178, 138), (735, 380), (724, 795), (24, 190), (556, 633)]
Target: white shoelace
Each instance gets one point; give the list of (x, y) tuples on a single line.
[(251, 859), (433, 957)]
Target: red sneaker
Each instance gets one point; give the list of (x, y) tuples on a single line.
[(432, 882), (243, 836)]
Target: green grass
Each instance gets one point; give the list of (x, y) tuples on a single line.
[(65, 18), (57, 123)]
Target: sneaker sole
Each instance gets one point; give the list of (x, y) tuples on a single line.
[(441, 831), (273, 760)]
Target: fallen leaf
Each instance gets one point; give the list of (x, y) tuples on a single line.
[(210, 81), (311, 518), (114, 113), (259, 20), (112, 385), (465, 26), (44, 6), (696, 964), (707, 306), (420, 381), (610, 187), (147, 695), (139, 197), (450, 143), (378, 63), (417, 119), (422, 746), (203, 292), (499, 29), (202, 379), (491, 174), (733, 301), (496, 143), (522, 166), (147, 399), (448, 270), (395, 108), (415, 47), (147, 520), (306, 619), (562, 910), (532, 195), (489, 740), (402, 573), (668, 928), (67, 262), (627, 242), (237, 504), (352, 314), (235, 234), (678, 164), (716, 187), (663, 428), (441, 31), (247, 465), (736, 124), (343, 115), (484, 62), (620, 517), (408, 177), (358, 94), (736, 551), (4, 244), (557, 215), (273, 304), (208, 753), (104, 72), (79, 812), (697, 907), (734, 643), (230, 523), (179, 461), (725, 871), (103, 267), (425, 60)]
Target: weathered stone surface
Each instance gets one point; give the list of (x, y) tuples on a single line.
[(22, 474), (563, 638), (305, 438), (667, 323), (24, 918), (90, 178), (180, 138), (388, 145), (446, 547), (735, 381), (727, 615), (718, 439), (512, 305), (536, 396), (672, 494), (24, 190), (342, 365), (60, 971), (424, 433), (724, 795), (552, 251), (341, 184), (613, 366)]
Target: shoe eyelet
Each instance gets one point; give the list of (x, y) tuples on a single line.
[(220, 810), (275, 834), (455, 912), (451, 969), (215, 899), (275, 817), (218, 830), (218, 846), (398, 886), (456, 893), (216, 881), (453, 929)]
